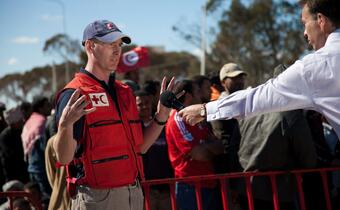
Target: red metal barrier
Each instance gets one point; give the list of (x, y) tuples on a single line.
[(11, 195), (223, 180)]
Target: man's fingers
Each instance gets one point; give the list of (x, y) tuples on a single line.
[(163, 87), (88, 111), (74, 97), (180, 113), (80, 102), (180, 94), (171, 84)]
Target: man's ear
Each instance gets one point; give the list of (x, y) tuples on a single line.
[(325, 23), (321, 20), (89, 45)]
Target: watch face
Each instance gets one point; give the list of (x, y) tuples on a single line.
[(202, 112)]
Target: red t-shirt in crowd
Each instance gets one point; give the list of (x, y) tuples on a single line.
[(181, 138)]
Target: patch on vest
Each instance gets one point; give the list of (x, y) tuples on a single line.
[(99, 99)]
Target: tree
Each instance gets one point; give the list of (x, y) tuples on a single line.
[(65, 47), (258, 35), (18, 87)]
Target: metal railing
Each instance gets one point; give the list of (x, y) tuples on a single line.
[(222, 179), (12, 195)]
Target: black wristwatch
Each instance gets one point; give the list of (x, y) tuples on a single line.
[(159, 122)]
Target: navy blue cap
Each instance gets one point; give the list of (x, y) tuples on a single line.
[(104, 31)]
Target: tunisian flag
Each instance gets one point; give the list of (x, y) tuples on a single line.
[(133, 59)]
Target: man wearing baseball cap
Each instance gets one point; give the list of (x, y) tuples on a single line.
[(100, 137), (232, 78)]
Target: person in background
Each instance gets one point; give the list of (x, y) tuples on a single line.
[(156, 160), (216, 86), (56, 175), (37, 194), (204, 85), (13, 185), (280, 141), (11, 150), (232, 78), (21, 204), (26, 109), (191, 150), (152, 87), (34, 142), (3, 124)]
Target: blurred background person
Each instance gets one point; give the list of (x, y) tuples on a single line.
[(153, 88), (37, 194), (11, 149), (216, 86), (13, 185), (56, 175), (204, 86), (34, 142), (156, 160), (191, 150), (3, 124), (279, 141), (232, 78)]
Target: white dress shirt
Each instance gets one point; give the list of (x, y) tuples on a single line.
[(310, 83)]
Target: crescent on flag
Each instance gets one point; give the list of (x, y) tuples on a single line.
[(133, 60)]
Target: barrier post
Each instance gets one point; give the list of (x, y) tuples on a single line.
[(173, 196), (300, 190), (275, 194), (147, 196), (224, 194), (249, 193), (326, 190), (198, 195)]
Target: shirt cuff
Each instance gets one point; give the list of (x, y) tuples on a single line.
[(213, 112)]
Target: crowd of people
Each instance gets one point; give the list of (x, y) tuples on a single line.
[(104, 136)]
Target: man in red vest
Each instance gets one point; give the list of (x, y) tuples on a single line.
[(100, 137)]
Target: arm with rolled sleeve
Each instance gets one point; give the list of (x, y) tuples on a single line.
[(286, 92)]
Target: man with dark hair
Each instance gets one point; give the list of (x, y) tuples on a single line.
[(34, 142), (153, 87), (3, 124), (12, 161), (204, 84), (310, 83), (191, 150), (156, 161)]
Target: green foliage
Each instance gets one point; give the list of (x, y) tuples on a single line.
[(63, 46), (20, 87), (259, 36)]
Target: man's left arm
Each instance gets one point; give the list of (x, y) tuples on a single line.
[(152, 132)]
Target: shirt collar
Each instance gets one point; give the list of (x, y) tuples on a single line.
[(112, 77), (333, 36)]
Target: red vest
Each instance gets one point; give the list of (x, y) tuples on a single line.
[(111, 155)]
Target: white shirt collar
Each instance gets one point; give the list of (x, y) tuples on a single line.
[(333, 36)]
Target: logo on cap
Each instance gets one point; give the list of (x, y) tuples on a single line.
[(109, 26)]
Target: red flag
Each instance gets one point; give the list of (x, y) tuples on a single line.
[(133, 59)]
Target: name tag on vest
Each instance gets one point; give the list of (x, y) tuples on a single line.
[(99, 99)]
